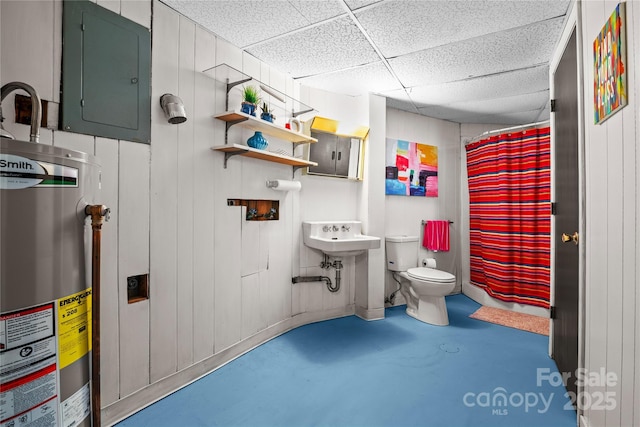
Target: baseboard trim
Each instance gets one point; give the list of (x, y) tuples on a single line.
[(370, 314), (152, 393)]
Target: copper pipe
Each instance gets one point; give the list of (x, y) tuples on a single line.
[(98, 214), (36, 108)]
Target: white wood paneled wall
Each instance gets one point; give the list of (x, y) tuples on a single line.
[(16, 66), (404, 214), (165, 294), (107, 151), (133, 259), (203, 247), (612, 341), (219, 285)]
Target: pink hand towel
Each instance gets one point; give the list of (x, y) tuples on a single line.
[(436, 236)]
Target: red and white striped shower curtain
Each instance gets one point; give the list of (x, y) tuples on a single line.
[(509, 215)]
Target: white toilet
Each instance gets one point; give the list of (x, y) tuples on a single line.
[(423, 288)]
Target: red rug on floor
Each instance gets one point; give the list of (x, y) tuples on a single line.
[(526, 322)]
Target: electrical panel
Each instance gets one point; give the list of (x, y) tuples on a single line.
[(106, 74)]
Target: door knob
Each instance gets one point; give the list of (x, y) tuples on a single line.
[(566, 238)]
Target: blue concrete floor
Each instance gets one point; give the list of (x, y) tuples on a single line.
[(393, 372)]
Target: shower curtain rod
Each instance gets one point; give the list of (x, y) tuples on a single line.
[(489, 132)]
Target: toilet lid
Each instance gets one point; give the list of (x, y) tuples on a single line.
[(431, 274)]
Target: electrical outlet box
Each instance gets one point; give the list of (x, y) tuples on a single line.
[(137, 288)]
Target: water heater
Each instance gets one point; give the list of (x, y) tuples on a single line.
[(45, 299)]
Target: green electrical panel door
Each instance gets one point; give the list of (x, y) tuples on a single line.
[(106, 74), (110, 84)]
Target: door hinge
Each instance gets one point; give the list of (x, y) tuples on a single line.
[(552, 312), (553, 105), (554, 208)]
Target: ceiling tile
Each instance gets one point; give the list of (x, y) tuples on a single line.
[(461, 111), (517, 118), (399, 100), (242, 22), (400, 27), (474, 61), (355, 81), (488, 87), (494, 53), (403, 106), (357, 4), (315, 10), (545, 114), (332, 46)]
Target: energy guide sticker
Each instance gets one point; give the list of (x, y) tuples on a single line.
[(74, 327)]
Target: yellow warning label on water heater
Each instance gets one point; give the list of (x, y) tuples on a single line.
[(74, 327)]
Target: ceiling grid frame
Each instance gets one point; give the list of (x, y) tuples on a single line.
[(484, 53)]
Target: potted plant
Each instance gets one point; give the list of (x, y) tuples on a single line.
[(250, 100), (266, 113)]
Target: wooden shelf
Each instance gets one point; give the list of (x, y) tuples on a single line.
[(291, 107), (256, 124), (242, 150)]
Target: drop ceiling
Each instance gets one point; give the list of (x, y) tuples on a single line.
[(462, 61)]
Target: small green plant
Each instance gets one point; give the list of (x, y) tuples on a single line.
[(250, 94), (267, 113)]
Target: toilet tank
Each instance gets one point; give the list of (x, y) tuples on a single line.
[(402, 252)]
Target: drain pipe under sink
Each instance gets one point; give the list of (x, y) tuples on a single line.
[(337, 264), (302, 279)]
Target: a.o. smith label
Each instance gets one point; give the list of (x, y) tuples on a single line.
[(17, 172)]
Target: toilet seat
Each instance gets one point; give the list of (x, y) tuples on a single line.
[(430, 275)]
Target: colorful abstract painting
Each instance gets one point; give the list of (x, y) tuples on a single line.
[(412, 169), (609, 74)]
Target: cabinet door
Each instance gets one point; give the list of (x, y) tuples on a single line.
[(343, 150), (324, 153)]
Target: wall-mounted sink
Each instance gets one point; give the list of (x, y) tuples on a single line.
[(337, 238)]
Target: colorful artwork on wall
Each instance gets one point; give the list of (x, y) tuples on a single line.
[(609, 61), (412, 169)]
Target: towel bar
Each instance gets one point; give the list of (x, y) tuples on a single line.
[(424, 222)]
